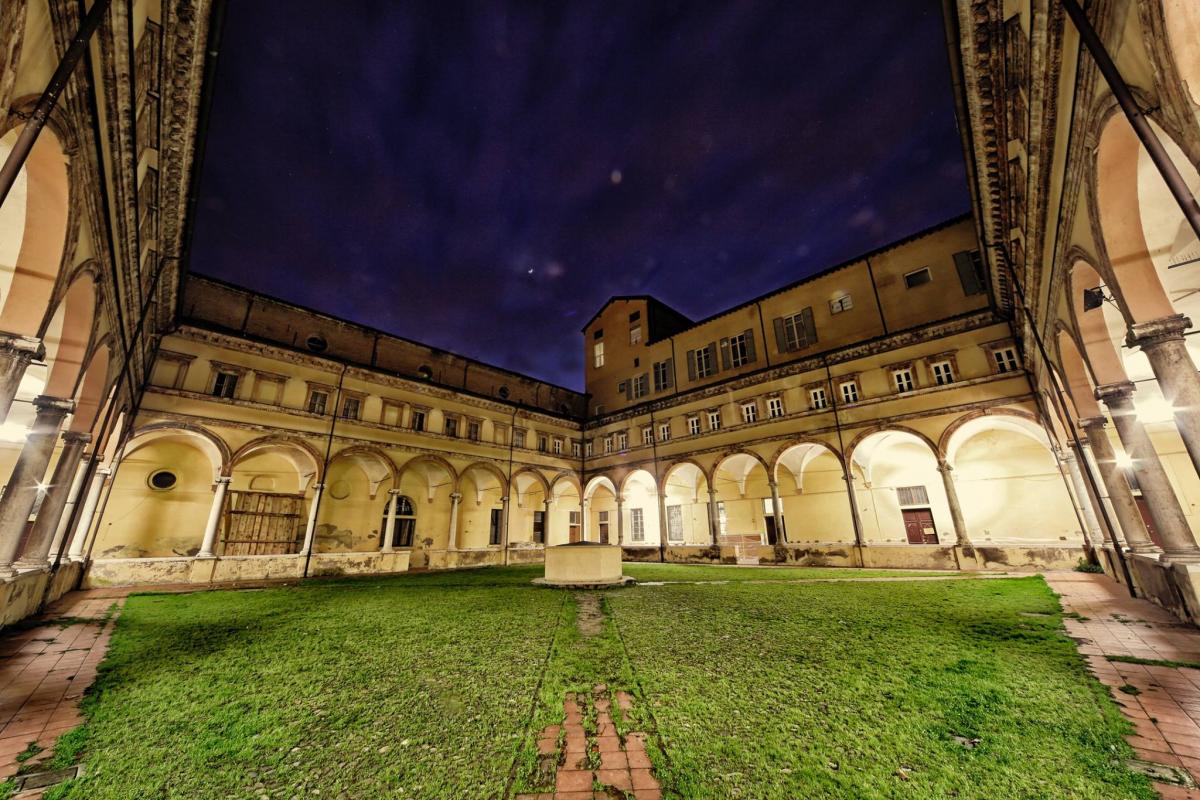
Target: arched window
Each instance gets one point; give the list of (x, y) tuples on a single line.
[(406, 523)]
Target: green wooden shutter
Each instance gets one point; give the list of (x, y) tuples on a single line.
[(669, 378), (810, 327), (725, 362), (780, 335), (691, 364), (966, 273), (751, 355)]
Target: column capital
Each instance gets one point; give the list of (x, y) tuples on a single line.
[(224, 479), (318, 487), (24, 347), (1119, 392), (44, 403), (393, 491), (1157, 331), (76, 437), (454, 496), (1097, 423), (944, 467)]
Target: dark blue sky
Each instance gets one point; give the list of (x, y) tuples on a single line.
[(482, 176)]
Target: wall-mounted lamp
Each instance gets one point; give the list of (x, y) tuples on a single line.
[(1094, 298)]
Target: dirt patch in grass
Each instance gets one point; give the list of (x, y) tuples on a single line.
[(589, 616)]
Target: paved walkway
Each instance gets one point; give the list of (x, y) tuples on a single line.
[(1162, 702)]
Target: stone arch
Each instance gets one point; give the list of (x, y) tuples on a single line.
[(859, 454), (565, 479), (684, 464), (197, 436), (299, 453), (67, 335), (428, 465), (94, 386), (734, 455), (815, 446), (1170, 29), (596, 482), (1080, 385), (489, 468), (526, 476), (1010, 419), (374, 463), (638, 473)]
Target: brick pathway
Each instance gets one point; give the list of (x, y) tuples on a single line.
[(1166, 709), (581, 762)]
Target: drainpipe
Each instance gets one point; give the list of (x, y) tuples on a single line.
[(512, 429), (662, 495), (846, 476), (320, 494), (1135, 115)]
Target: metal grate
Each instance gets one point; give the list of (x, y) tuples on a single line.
[(912, 495), (263, 524)]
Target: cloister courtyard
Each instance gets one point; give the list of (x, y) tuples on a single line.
[(698, 682)]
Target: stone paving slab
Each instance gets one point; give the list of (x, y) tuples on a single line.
[(1163, 703)]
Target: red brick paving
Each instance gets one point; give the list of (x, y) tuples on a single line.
[(1166, 711), (603, 759)]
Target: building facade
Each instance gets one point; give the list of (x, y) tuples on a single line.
[(1012, 389)]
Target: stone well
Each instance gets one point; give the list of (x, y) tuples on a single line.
[(583, 565)]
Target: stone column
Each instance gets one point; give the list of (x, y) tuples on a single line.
[(37, 546), (714, 519), (620, 522), (15, 354), (1172, 525), (855, 519), (64, 519), (545, 523), (662, 520), (209, 542), (585, 507), (777, 513), (1093, 536), (1110, 521), (1119, 494), (27, 476), (504, 509), (389, 522), (961, 539), (84, 523), (452, 539), (1162, 342), (310, 528)]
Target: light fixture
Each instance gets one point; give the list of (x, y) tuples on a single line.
[(1094, 298)]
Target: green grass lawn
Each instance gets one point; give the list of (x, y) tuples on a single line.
[(434, 686)]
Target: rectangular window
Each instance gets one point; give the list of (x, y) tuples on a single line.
[(840, 304), (598, 355), (543, 444), (693, 425), (817, 399), (702, 362), (518, 437), (494, 527), (663, 379), (587, 448), (714, 420), (664, 432), (452, 427), (795, 330), (602, 524), (575, 451), (225, 385), (1006, 360), (622, 441), (351, 407), (722, 518), (539, 527), (739, 350), (970, 272), (749, 412), (774, 407), (903, 379), (850, 392), (418, 420), (317, 402), (917, 278), (912, 495), (637, 525), (943, 373), (635, 334), (641, 386), (557, 445), (674, 523), (608, 444), (647, 436), (473, 431)]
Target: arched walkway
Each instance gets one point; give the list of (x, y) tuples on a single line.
[(687, 503), (745, 507), (899, 489), (812, 488)]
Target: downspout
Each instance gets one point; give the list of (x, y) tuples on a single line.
[(766, 349), (662, 494), (846, 476), (512, 430), (875, 289), (320, 494)]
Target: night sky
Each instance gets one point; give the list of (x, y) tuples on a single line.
[(482, 177)]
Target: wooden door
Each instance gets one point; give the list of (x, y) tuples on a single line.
[(263, 524), (918, 526)]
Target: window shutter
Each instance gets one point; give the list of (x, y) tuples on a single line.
[(725, 354), (645, 379), (691, 359), (629, 389), (780, 336), (810, 327), (966, 273), (669, 377), (750, 354), (711, 347)]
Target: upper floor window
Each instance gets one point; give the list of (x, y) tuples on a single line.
[(622, 441), (917, 278), (774, 407), (1006, 360), (318, 401), (587, 448), (850, 391), (641, 386), (557, 446), (817, 398), (702, 362), (693, 425), (635, 334), (714, 420), (451, 427), (840, 304), (598, 355), (664, 432), (575, 449), (418, 419), (473, 431), (749, 412), (943, 372), (903, 379), (663, 379), (543, 444), (225, 385), (518, 437), (971, 272), (741, 348), (351, 407), (608, 444), (795, 332)]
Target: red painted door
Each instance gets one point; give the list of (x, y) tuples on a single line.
[(918, 526)]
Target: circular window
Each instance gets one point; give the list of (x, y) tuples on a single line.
[(503, 392), (316, 343), (162, 480), (425, 372)]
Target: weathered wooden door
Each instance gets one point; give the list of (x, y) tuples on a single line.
[(918, 526), (263, 524)]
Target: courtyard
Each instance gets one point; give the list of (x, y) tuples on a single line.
[(700, 682)]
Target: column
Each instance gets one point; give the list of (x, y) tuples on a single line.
[(214, 519), (1163, 505), (714, 519), (855, 519), (452, 539), (310, 529), (1162, 342), (504, 522), (37, 546), (389, 522), (64, 519), (662, 520), (961, 539), (1067, 462), (585, 507), (1119, 494), (15, 354), (27, 475), (1110, 522), (620, 522), (545, 522), (777, 513), (84, 523)]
